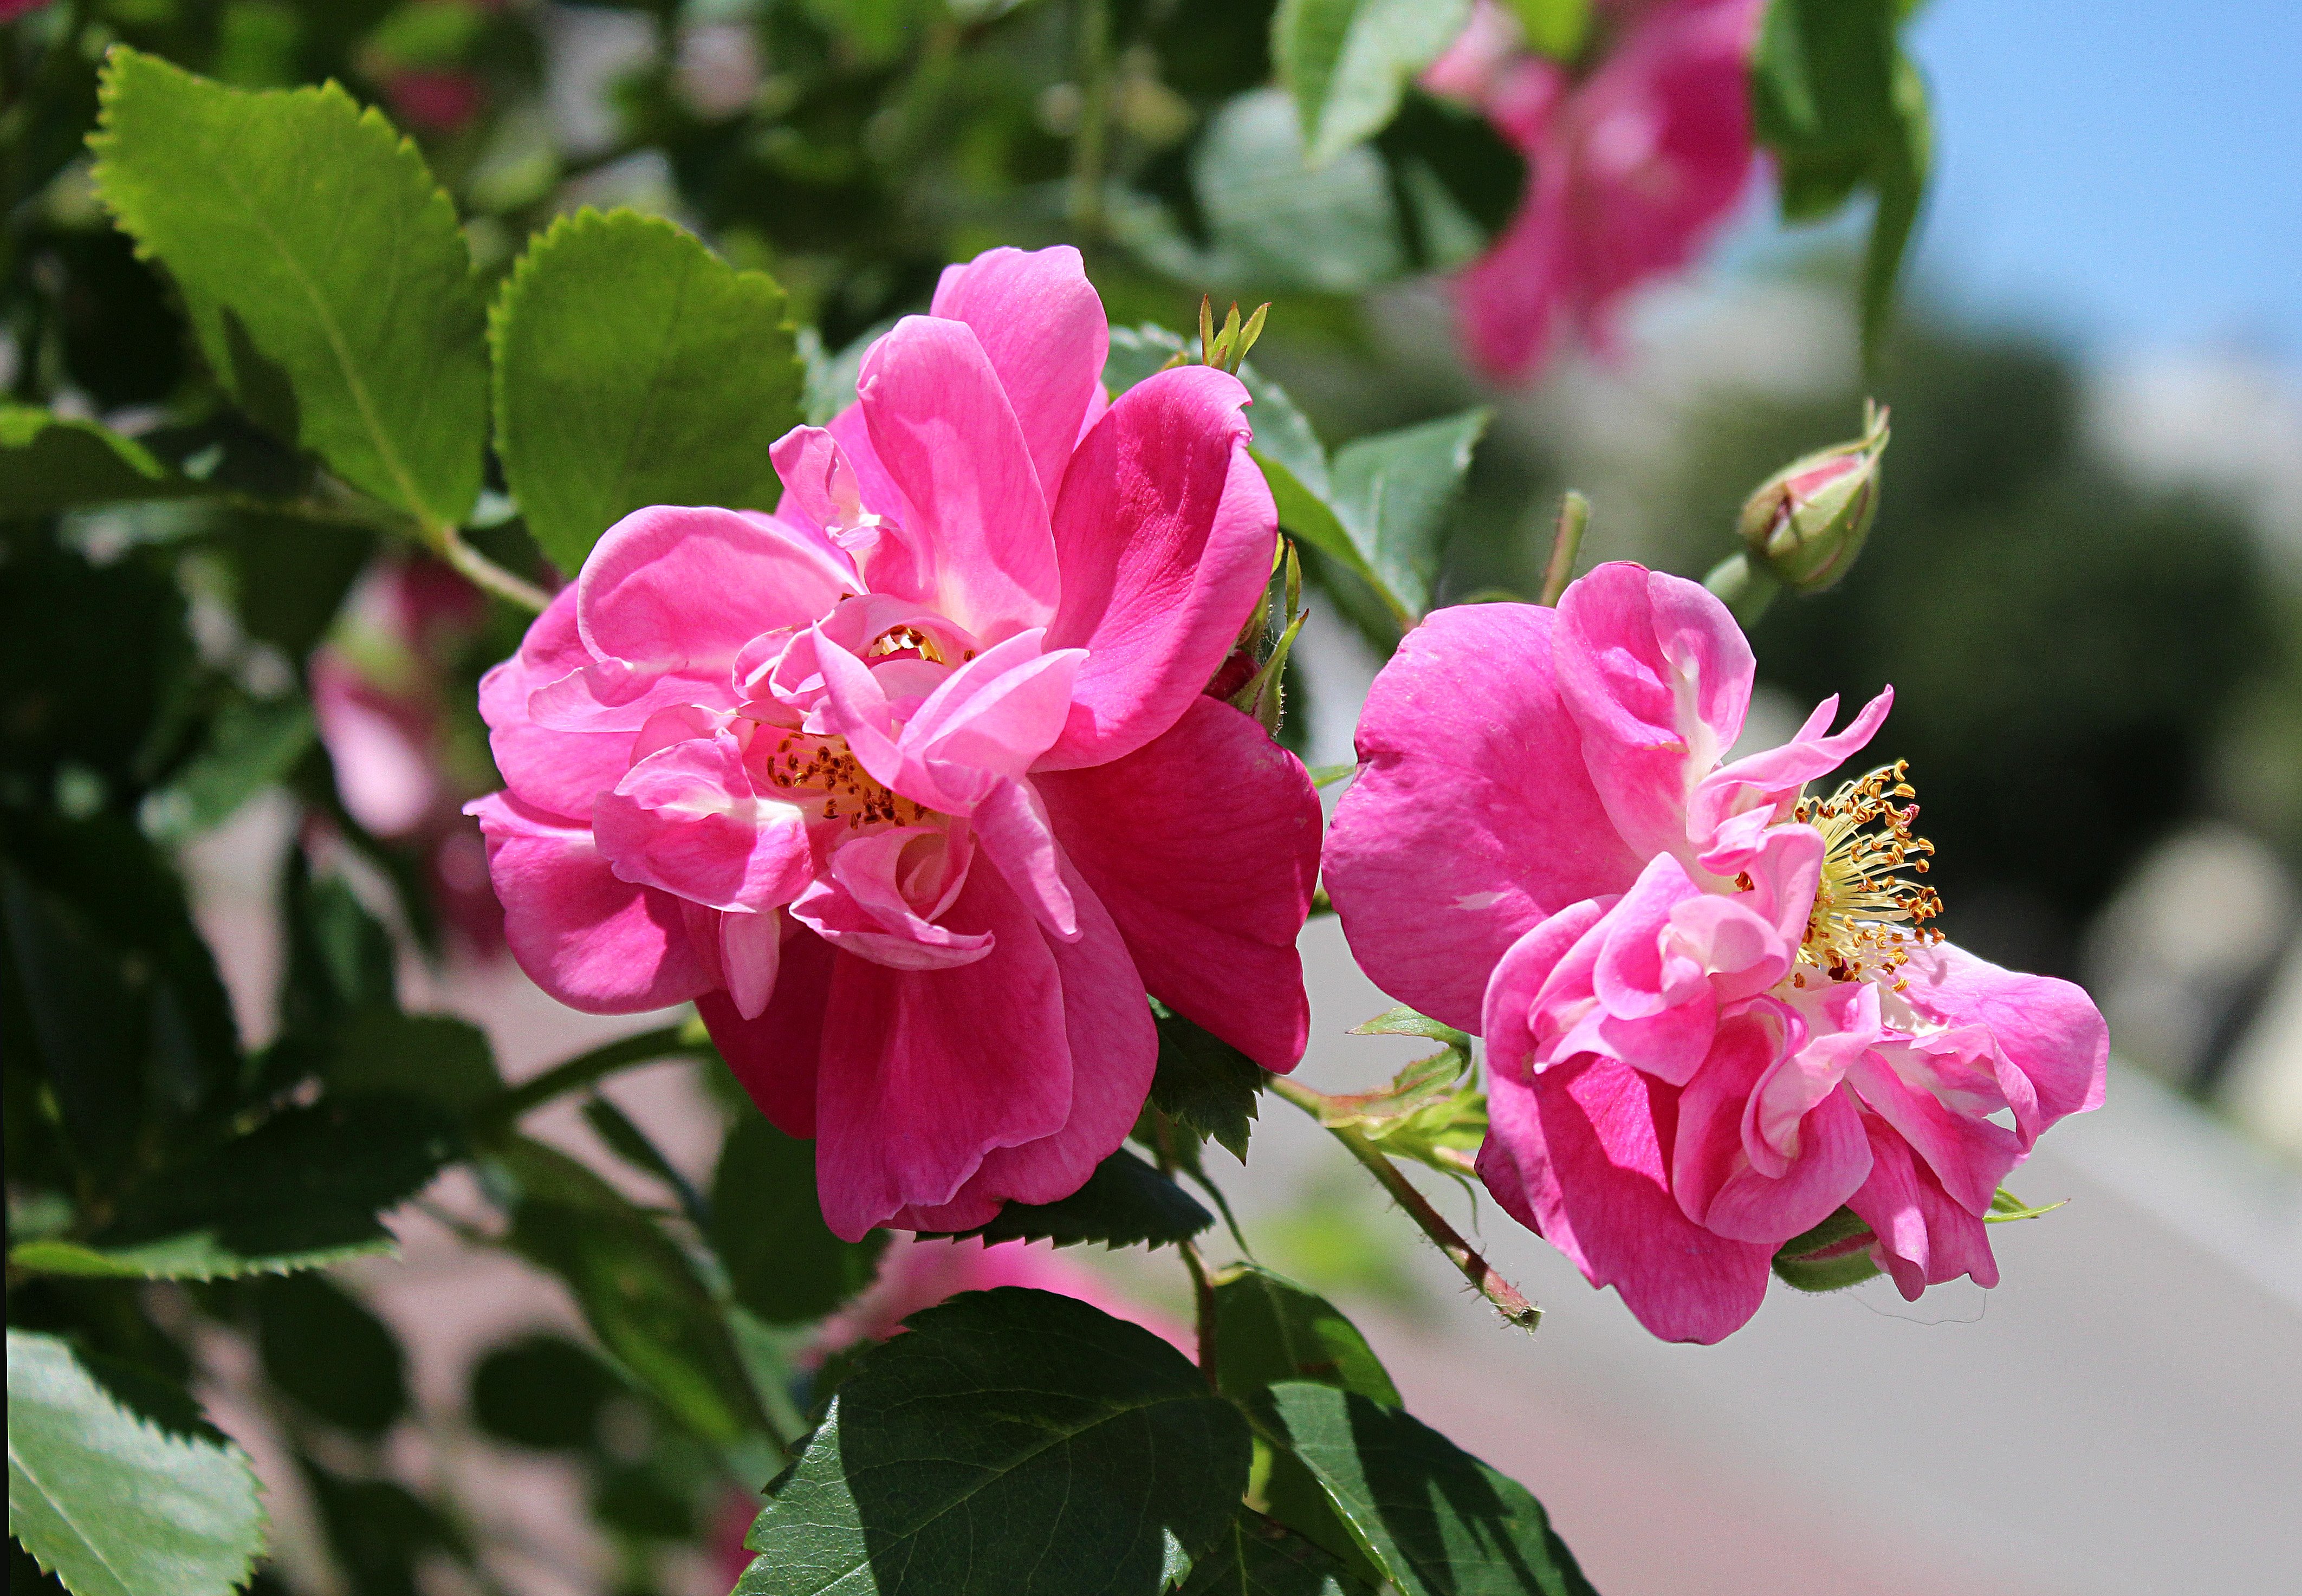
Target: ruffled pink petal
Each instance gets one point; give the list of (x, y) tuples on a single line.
[(554, 770), (1579, 1157), (1203, 845), (1538, 987), (1718, 1185), (685, 819), (1771, 780), (593, 942), (862, 905), (942, 428), (1657, 675), (1969, 1155), (1041, 323), (2053, 1044), (1113, 1047), (925, 1071), (1165, 532), (775, 1055), (1923, 1237), (684, 590), (1013, 830), (1471, 819)]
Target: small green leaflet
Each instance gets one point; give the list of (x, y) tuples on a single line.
[(1269, 1329), (323, 269), (1012, 1441), (49, 462), (1347, 61), (1833, 1256), (1204, 1082), (2005, 1208), (632, 366), (783, 1262), (111, 1503), (1125, 1203)]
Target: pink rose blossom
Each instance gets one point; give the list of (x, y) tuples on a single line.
[(913, 785), (1713, 1011), (1631, 167)]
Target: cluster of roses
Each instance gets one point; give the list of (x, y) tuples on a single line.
[(914, 787)]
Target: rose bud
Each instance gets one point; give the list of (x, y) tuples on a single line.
[(1806, 523)]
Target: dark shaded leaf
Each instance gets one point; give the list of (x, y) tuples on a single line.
[(783, 1262), (436, 1057), (1269, 1329), (1011, 1440), (1260, 1557), (324, 1347), (542, 1391), (49, 462), (1125, 1203), (1205, 1083)]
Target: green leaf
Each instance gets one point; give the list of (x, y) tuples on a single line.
[(1396, 493), (1204, 1082), (324, 1347), (1304, 516), (1461, 181), (543, 1392), (1259, 1557), (1125, 1203), (637, 1291), (1833, 1256), (49, 462), (1437, 1520), (1013, 1441), (436, 1057), (2005, 1208), (1269, 1329), (1347, 61), (1554, 27), (783, 1262), (111, 1505), (636, 367), (326, 277), (251, 744), (306, 1187)]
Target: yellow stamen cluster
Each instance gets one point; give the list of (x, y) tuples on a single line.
[(1867, 915), (811, 765), (896, 640)]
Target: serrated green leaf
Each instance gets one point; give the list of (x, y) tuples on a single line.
[(1437, 1520), (306, 1187), (111, 1505), (50, 462), (1304, 516), (437, 1057), (1347, 61), (636, 1289), (1268, 1330), (1260, 1557), (1395, 493), (783, 1262), (1125, 1203), (1205, 1083), (1011, 1440), (323, 269), (636, 367)]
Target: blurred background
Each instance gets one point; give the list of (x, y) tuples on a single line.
[(2085, 585)]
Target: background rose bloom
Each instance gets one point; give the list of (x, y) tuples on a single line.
[(1714, 1013), (913, 785), (1631, 167)]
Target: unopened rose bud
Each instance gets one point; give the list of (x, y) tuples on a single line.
[(1806, 523)]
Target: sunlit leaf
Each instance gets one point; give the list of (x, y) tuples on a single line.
[(1347, 61)]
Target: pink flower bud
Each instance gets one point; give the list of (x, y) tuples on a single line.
[(1807, 523)]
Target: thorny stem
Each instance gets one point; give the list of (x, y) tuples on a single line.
[(1088, 145), (1499, 1291), (1203, 1293), (1566, 543)]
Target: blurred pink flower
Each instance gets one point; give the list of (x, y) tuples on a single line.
[(1713, 1010), (1631, 165), (438, 100), (381, 695), (913, 785)]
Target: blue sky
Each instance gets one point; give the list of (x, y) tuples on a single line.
[(2125, 173)]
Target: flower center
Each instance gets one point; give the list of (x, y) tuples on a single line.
[(906, 639), (810, 765), (1867, 915)]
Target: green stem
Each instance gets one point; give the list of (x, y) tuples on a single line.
[(1203, 1292), (497, 1116), (1505, 1297), (1089, 146), (1743, 587), (1566, 543), (484, 574)]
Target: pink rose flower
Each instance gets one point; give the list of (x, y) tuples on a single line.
[(1714, 1012), (913, 785), (1631, 167)]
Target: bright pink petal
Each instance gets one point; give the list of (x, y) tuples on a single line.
[(1924, 1239), (1578, 1157), (1203, 845), (775, 1055), (1165, 532), (1771, 780), (555, 770), (593, 942), (2051, 1037), (925, 1071), (1969, 1155), (1471, 819), (1713, 1175), (1013, 830), (947, 436), (1657, 675), (683, 590), (685, 819), (1113, 1049), (862, 905), (1042, 326)]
